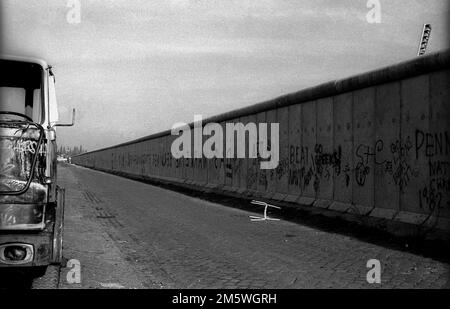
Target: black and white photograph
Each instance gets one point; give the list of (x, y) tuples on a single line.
[(224, 151)]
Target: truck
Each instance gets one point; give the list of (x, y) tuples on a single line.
[(31, 202)]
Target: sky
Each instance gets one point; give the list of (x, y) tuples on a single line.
[(132, 68)]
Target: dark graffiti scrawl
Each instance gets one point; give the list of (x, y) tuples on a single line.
[(393, 162), (313, 166), (435, 147)]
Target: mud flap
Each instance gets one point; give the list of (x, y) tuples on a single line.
[(57, 253)]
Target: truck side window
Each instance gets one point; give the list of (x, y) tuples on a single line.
[(12, 99), (18, 100)]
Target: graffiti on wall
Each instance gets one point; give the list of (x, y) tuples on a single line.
[(311, 166), (314, 167), (392, 160), (435, 147)]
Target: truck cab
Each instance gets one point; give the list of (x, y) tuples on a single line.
[(31, 202)]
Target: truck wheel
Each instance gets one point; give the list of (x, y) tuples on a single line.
[(38, 271)]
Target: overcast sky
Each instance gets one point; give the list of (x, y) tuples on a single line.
[(133, 68)]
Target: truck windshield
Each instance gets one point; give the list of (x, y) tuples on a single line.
[(21, 135), (20, 90)]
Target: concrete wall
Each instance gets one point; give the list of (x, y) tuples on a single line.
[(374, 144)]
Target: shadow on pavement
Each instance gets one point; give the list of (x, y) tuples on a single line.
[(335, 224), (15, 279)]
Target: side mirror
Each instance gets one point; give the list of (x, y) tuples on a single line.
[(67, 124)]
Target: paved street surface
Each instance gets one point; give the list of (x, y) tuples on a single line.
[(128, 234)]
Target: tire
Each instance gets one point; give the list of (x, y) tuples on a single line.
[(38, 271)]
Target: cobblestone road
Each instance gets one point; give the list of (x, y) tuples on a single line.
[(133, 235)]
